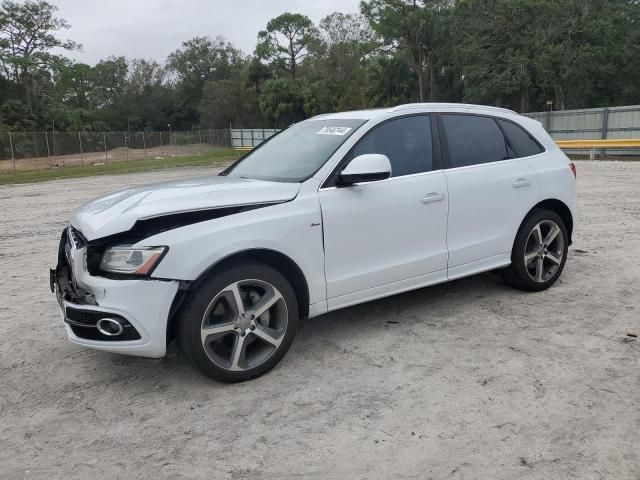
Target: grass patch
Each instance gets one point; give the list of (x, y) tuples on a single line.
[(219, 157)]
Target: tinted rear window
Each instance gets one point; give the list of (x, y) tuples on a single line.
[(522, 142), (473, 140)]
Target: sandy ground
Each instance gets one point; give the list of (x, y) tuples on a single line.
[(466, 380)]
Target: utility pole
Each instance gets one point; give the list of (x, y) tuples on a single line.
[(53, 137), (144, 145), (81, 153), (13, 157), (104, 139), (127, 138), (46, 138)]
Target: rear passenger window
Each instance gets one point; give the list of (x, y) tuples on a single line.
[(406, 141), (520, 140), (473, 140)]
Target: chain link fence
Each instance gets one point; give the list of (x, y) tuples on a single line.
[(21, 151)]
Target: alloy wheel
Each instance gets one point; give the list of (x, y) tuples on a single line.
[(244, 325), (544, 251)]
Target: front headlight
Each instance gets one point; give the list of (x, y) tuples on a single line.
[(131, 260)]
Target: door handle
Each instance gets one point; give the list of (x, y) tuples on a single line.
[(433, 197), (521, 182)]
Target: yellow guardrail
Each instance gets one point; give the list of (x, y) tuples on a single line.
[(611, 143), (604, 144), (243, 149)]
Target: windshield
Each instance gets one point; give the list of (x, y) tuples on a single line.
[(296, 153)]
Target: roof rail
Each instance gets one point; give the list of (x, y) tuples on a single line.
[(407, 106)]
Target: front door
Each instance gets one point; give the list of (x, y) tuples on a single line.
[(387, 236)]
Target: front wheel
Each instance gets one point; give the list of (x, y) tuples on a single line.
[(239, 323), (539, 252)]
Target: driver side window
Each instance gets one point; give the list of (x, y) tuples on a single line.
[(406, 141)]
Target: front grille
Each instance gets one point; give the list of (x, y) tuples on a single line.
[(83, 325), (93, 334), (89, 317)]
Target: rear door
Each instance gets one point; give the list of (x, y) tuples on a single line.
[(490, 192)]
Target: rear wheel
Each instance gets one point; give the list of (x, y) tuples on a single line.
[(239, 323), (539, 252)]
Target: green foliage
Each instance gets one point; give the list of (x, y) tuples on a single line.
[(408, 27), (281, 101), (201, 60), (27, 37), (109, 79), (521, 53), (286, 42), (513, 53), (390, 82), (346, 43), (226, 102)]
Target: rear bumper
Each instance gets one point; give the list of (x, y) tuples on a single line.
[(143, 306)]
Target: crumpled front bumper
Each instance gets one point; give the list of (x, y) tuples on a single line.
[(143, 304)]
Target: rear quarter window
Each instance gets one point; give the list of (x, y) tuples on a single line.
[(522, 141)]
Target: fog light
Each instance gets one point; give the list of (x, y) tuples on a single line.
[(109, 327)]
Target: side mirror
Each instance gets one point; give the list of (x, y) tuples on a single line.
[(365, 168)]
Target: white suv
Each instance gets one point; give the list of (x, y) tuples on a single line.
[(333, 211)]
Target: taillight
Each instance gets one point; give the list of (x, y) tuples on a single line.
[(572, 166)]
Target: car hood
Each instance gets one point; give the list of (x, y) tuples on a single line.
[(118, 211)]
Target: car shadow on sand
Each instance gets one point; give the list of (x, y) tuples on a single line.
[(438, 306)]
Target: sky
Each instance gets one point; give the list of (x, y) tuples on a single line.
[(155, 28)]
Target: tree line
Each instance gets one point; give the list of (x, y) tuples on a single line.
[(527, 55)]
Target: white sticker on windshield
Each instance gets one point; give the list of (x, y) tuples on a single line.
[(333, 131)]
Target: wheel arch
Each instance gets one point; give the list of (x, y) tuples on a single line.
[(559, 207), (276, 260)]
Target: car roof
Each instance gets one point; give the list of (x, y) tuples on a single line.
[(415, 107)]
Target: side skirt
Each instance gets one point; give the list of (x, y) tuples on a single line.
[(479, 266), (442, 276), (387, 290)]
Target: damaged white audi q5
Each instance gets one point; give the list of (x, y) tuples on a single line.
[(333, 211)]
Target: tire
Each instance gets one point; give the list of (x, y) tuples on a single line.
[(528, 251), (232, 344)]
